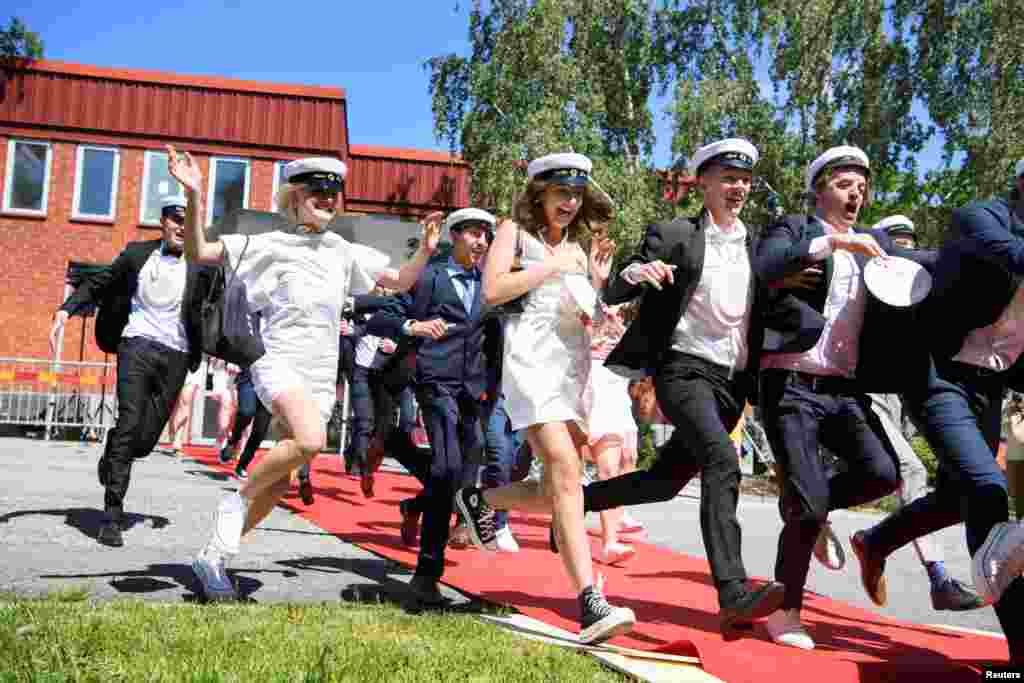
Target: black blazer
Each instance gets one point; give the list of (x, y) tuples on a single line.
[(455, 360), (888, 360), (642, 349), (112, 291), (979, 269)]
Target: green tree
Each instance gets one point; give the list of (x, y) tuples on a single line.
[(554, 75), (17, 41)]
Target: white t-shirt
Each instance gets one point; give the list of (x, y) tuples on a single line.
[(156, 305)]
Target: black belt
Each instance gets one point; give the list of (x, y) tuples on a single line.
[(954, 369), (822, 384)]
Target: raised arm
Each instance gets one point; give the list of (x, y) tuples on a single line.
[(403, 279), (197, 248), (646, 266)]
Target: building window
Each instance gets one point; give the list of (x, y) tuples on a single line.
[(96, 174), (278, 182), (157, 182), (229, 187), (27, 178)]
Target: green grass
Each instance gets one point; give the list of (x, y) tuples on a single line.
[(67, 637)]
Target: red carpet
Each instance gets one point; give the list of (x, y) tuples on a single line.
[(670, 593)]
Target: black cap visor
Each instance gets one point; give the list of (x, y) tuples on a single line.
[(565, 176), (320, 183), (730, 160)]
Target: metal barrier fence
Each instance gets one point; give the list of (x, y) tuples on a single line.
[(60, 397)]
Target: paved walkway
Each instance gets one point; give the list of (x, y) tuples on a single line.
[(51, 509)]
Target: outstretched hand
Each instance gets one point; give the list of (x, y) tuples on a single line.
[(431, 231), (184, 169)]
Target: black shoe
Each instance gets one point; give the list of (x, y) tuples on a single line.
[(479, 517), (306, 490), (110, 534), (752, 604), (952, 595), (425, 591), (410, 523), (103, 470), (227, 454), (599, 621)]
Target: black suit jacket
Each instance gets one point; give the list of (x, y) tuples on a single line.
[(112, 291), (890, 359), (455, 360), (979, 269), (642, 349)]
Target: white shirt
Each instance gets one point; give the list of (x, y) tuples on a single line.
[(366, 349), (836, 351), (156, 304), (997, 346), (714, 326)]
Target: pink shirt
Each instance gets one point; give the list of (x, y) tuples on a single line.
[(836, 352), (998, 345)]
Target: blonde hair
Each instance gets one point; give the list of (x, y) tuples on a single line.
[(528, 211), (286, 204)]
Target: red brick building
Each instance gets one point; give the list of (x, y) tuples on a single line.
[(82, 166)]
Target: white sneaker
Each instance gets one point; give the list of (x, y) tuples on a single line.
[(998, 561), (785, 629), (629, 525), (506, 541), (588, 475), (227, 528), (828, 549), (616, 553), (208, 566)]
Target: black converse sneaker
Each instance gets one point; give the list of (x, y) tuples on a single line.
[(479, 517), (599, 621)]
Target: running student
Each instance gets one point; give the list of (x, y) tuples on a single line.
[(298, 279), (547, 365)]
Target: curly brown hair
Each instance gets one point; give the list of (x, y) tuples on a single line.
[(528, 211)]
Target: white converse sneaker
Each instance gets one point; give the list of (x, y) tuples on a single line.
[(785, 629), (505, 540), (208, 566), (227, 528), (828, 549), (998, 561)]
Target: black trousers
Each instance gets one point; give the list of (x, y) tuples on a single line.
[(149, 379), (250, 410), (704, 404), (452, 418), (801, 413)]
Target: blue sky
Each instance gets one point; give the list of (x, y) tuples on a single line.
[(375, 50)]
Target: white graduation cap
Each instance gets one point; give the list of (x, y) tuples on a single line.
[(566, 168), (324, 171), (172, 200), (844, 155), (733, 152), (895, 225)]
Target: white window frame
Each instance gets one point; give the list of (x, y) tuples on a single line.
[(278, 165), (79, 175), (9, 177), (211, 184), (144, 195)]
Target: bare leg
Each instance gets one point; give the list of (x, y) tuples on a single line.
[(608, 456), (262, 504), (561, 493), (300, 418), (181, 416)]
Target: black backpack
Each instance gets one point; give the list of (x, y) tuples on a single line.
[(230, 331)]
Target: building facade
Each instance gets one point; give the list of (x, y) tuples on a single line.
[(82, 168)]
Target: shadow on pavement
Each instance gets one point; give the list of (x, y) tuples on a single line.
[(88, 520)]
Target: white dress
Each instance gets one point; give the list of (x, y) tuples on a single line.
[(609, 408), (547, 351), (299, 283)]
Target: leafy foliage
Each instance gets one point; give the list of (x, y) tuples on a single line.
[(17, 41)]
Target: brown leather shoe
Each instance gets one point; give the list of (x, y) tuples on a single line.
[(872, 570), (753, 604), (306, 491)]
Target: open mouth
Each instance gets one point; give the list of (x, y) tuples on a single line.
[(852, 207)]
